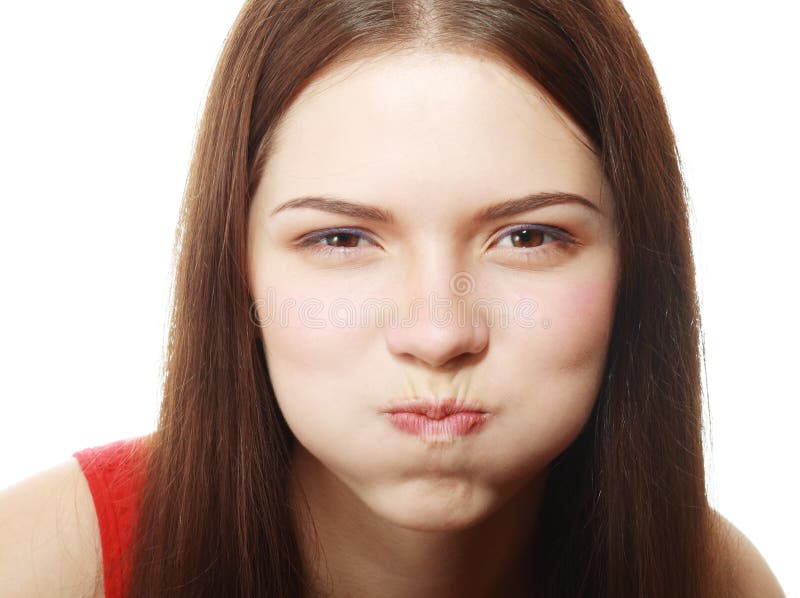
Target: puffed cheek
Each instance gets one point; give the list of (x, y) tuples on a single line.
[(589, 301), (580, 318)]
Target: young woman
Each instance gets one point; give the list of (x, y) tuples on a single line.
[(435, 330)]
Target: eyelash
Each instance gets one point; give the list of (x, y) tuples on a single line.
[(562, 241)]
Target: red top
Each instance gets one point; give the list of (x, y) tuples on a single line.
[(109, 471)]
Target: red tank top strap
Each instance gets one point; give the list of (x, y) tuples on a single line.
[(112, 472)]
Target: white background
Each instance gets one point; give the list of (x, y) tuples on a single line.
[(98, 112)]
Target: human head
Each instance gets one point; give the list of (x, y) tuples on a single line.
[(605, 496)]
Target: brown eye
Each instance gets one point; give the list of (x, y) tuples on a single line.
[(336, 243), (530, 237), (341, 239), (527, 237), (531, 242)]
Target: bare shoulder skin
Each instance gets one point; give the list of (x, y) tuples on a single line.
[(747, 567), (49, 536)]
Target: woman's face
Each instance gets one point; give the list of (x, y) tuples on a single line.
[(430, 140)]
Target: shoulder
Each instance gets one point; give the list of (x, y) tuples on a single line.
[(49, 536), (744, 565)]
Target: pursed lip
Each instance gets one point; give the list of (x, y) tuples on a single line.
[(434, 409)]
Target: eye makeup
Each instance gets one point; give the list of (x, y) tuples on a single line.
[(344, 243)]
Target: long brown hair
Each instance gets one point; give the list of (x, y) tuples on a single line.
[(625, 511)]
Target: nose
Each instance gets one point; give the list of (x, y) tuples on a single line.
[(439, 325)]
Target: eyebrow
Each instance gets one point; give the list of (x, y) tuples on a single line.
[(503, 209)]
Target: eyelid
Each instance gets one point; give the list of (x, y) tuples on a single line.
[(311, 238), (562, 239), (558, 233), (322, 233)]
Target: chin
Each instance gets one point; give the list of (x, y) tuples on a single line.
[(421, 511)]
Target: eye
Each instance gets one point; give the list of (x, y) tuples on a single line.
[(530, 236), (532, 241), (338, 242)]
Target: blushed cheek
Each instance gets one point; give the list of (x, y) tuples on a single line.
[(581, 323), (590, 301)]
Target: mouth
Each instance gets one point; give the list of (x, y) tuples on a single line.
[(435, 409), (437, 420)]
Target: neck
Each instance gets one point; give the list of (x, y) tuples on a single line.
[(348, 550)]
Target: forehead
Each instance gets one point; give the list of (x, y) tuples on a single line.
[(427, 125)]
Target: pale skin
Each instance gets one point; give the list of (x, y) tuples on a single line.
[(433, 139)]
